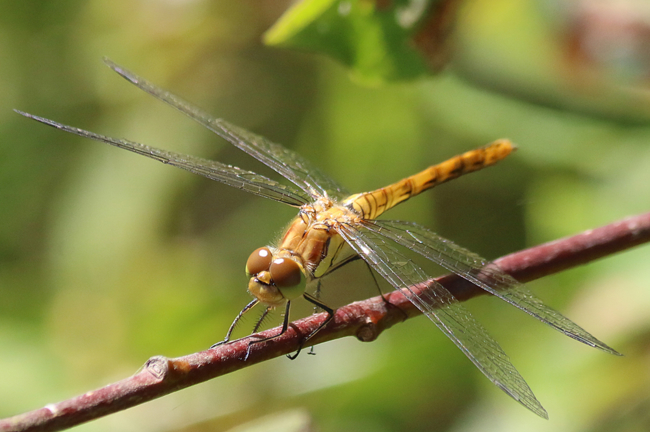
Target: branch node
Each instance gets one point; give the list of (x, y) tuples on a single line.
[(164, 375), (158, 366), (368, 332)]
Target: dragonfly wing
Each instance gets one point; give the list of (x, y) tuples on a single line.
[(441, 307), (482, 273), (230, 175), (285, 162)]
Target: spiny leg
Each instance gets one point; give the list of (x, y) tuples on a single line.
[(248, 307), (388, 304), (350, 259), (353, 258), (285, 326), (330, 316), (316, 310), (317, 293), (261, 319), (374, 278), (340, 264)]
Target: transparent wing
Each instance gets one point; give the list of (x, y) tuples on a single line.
[(480, 272), (285, 162), (230, 175), (440, 306)]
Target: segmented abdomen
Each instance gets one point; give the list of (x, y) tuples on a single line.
[(372, 204)]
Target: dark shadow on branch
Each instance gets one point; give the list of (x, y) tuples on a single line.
[(365, 320)]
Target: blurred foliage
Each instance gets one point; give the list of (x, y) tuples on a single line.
[(379, 40), (107, 258)]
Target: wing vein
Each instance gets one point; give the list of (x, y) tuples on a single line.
[(480, 272), (440, 306), (232, 176), (285, 162)]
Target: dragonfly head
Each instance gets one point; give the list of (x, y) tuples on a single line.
[(274, 279)]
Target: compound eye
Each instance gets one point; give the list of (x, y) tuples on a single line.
[(285, 272), (259, 261)]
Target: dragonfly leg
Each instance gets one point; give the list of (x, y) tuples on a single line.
[(330, 316), (332, 268), (285, 326), (388, 303), (248, 307), (261, 320), (350, 259), (316, 310), (353, 258), (340, 264), (374, 278)]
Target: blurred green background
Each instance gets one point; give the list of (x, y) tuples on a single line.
[(107, 258)]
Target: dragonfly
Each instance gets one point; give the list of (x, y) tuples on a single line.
[(334, 227)]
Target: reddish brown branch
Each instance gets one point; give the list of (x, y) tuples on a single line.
[(365, 320)]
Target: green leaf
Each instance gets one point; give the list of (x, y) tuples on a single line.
[(378, 40)]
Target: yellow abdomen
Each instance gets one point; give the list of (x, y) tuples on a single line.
[(369, 205)]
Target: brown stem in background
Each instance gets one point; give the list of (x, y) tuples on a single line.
[(365, 320)]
